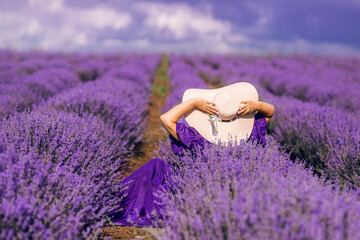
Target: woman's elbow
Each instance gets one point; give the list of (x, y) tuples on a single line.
[(169, 125), (272, 111), (164, 119)]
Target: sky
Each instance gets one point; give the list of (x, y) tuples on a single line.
[(321, 27)]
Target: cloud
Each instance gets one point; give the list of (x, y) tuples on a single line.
[(181, 20), (191, 28), (51, 25), (182, 26), (100, 17), (52, 6)]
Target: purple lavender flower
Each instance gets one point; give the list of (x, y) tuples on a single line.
[(45, 83), (246, 192)]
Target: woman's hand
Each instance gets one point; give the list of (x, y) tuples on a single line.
[(264, 108), (170, 118), (247, 107), (206, 106)]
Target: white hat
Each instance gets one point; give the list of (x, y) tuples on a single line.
[(228, 100)]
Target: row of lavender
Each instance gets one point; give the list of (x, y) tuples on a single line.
[(316, 106), (60, 162), (326, 81), (33, 77), (250, 192)]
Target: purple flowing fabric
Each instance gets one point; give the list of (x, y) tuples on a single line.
[(139, 204)]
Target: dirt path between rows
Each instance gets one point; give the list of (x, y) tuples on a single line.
[(153, 134)]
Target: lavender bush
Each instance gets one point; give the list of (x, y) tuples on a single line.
[(40, 201), (327, 138), (111, 100), (45, 83), (40, 75), (15, 98), (89, 70), (21, 87), (250, 192), (77, 144), (135, 72)]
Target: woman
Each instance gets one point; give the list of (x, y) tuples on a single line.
[(214, 116)]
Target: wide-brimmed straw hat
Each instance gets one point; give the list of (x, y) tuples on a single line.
[(226, 126)]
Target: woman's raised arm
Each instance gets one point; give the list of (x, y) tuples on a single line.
[(264, 108), (170, 118)]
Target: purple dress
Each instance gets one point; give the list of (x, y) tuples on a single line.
[(138, 198)]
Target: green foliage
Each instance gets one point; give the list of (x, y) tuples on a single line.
[(160, 86)]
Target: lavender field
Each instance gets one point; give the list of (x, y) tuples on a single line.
[(68, 127), (70, 123)]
